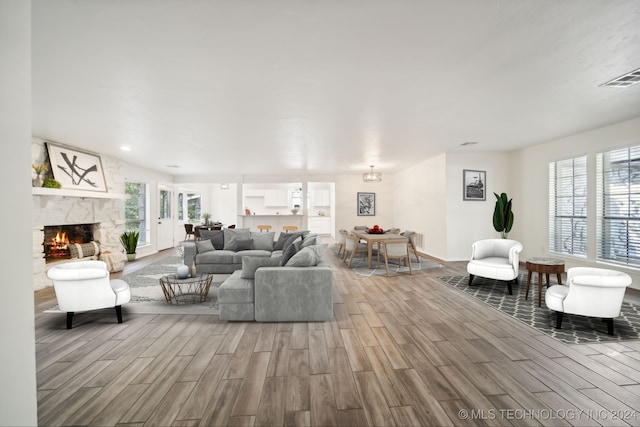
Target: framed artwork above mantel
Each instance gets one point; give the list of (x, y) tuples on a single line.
[(76, 169)]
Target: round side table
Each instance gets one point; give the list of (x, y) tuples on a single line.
[(544, 266)]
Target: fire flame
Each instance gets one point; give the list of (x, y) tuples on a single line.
[(61, 241)]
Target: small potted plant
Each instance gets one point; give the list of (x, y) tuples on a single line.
[(129, 241), (206, 217), (39, 170), (51, 183)]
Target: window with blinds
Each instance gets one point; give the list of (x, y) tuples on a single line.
[(568, 206), (618, 206)]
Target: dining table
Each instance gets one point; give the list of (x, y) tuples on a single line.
[(375, 239)]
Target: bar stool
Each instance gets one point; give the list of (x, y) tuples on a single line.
[(288, 228), (264, 228)]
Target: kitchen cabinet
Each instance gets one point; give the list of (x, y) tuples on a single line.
[(276, 198), (320, 225), (321, 198)]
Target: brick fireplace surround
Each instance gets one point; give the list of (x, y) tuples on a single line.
[(66, 207)]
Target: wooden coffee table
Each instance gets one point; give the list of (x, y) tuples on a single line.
[(544, 266)]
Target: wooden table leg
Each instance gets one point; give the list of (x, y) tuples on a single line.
[(526, 295), (559, 279), (540, 284), (369, 245)]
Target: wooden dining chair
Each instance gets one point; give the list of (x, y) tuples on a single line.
[(353, 246), (411, 235), (288, 228), (342, 239), (264, 228), (188, 228), (396, 249)]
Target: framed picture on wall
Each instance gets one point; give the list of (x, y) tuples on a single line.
[(366, 204), (474, 185), (75, 168)]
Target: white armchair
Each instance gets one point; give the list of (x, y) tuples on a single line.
[(495, 259), (85, 285), (591, 292)]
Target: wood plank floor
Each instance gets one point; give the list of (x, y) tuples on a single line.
[(404, 350)]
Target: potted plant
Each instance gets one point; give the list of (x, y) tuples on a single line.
[(206, 217), (129, 241), (502, 215)]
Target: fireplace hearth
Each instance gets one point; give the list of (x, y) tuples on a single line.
[(58, 237)]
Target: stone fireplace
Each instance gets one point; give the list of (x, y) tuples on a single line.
[(59, 240), (71, 210)]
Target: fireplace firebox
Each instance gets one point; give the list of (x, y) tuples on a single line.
[(58, 237)]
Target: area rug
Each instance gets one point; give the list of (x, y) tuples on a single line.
[(575, 329), (147, 296), (361, 267)]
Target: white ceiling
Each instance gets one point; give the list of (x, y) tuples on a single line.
[(321, 87)]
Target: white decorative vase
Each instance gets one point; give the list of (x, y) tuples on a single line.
[(183, 271)]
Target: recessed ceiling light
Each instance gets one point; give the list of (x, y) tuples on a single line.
[(625, 80), (469, 143), (172, 166), (125, 148)]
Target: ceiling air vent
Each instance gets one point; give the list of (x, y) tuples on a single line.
[(625, 80)]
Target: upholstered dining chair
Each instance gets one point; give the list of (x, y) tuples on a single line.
[(188, 228), (396, 249), (591, 292), (353, 246), (495, 259), (342, 233), (411, 235), (85, 285)]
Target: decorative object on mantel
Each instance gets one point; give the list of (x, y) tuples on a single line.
[(38, 169), (51, 183), (129, 241), (372, 176), (75, 168), (366, 204)]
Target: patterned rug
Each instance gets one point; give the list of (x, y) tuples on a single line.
[(361, 267), (147, 296), (575, 329)]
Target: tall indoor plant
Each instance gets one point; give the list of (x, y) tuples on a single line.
[(129, 241), (502, 215)]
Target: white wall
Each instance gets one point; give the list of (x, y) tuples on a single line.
[(468, 221), (420, 204), (347, 188), (530, 187), (18, 397)]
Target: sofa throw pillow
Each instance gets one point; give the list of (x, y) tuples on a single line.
[(289, 252), (263, 241), (310, 239), (216, 237), (203, 246), (241, 245), (282, 239), (307, 257), (233, 234), (251, 263)]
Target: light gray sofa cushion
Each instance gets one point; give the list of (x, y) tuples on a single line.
[(237, 257), (204, 246), (294, 294), (233, 234), (236, 289), (215, 257), (263, 241), (216, 237), (251, 263), (307, 257)]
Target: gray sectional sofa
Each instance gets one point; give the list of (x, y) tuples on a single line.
[(287, 284)]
